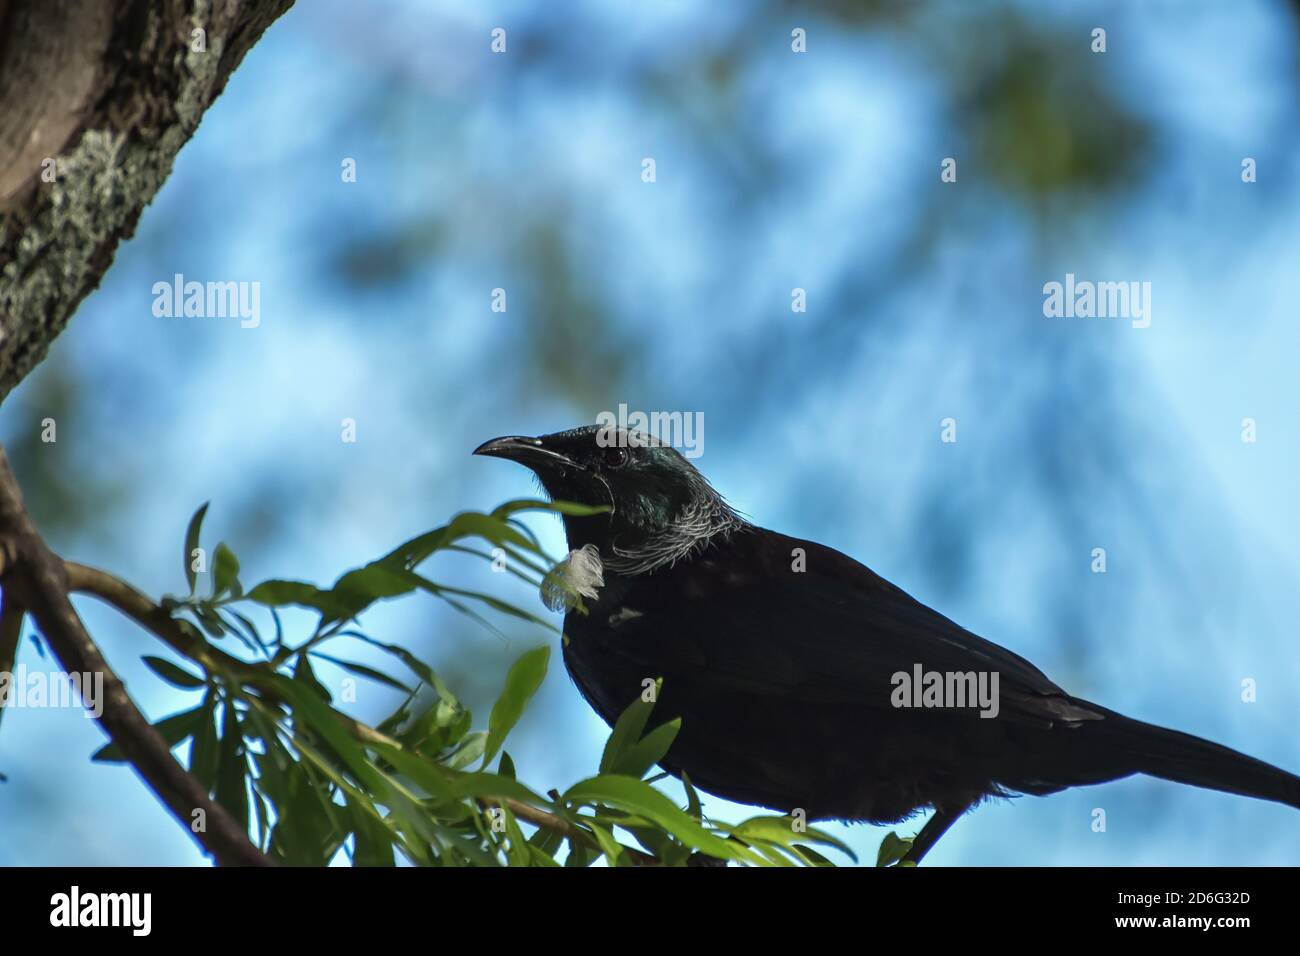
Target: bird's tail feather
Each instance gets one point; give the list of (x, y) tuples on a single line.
[(1182, 758)]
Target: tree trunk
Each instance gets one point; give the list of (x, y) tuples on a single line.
[(96, 99)]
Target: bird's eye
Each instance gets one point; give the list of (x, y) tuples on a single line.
[(614, 457)]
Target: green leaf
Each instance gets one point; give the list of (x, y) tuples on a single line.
[(304, 674), (417, 666), (627, 729), (209, 620), (657, 842), (192, 542), (330, 605), (470, 749), (232, 773), (547, 841), (580, 855), (570, 508), (773, 854), (692, 798), (204, 755), (225, 571), (540, 856), (441, 726), (496, 528), (254, 640), (517, 848), (362, 587), (374, 841), (392, 576), (277, 593), (491, 528), (608, 845), (811, 856), (782, 830), (521, 683), (459, 785), (635, 760), (504, 607), (638, 797), (307, 822), (318, 715), (173, 729), (506, 766), (262, 810), (173, 674), (431, 777), (363, 671), (357, 590), (336, 836), (892, 849)]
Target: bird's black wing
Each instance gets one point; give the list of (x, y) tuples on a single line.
[(833, 632)]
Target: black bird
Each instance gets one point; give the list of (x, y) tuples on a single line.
[(788, 661)]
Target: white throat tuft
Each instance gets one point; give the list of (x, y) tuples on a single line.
[(581, 574)]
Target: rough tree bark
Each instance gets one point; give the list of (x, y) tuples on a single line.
[(96, 99)]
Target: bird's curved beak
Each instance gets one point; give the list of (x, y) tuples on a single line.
[(530, 452)]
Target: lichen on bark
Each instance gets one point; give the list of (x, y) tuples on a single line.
[(58, 238)]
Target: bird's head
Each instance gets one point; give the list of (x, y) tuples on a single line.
[(658, 503)]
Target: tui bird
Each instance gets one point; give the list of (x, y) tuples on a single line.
[(803, 679)]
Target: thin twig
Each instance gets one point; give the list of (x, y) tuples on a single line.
[(38, 580), (546, 820)]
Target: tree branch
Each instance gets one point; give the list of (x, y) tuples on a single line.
[(11, 626), (97, 97), (36, 578)]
